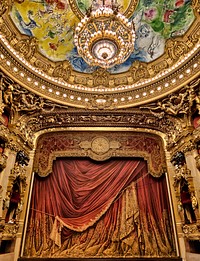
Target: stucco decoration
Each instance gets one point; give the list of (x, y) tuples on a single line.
[(99, 147)]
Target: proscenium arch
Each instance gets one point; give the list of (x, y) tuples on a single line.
[(111, 135)]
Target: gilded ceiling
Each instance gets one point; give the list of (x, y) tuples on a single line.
[(37, 51)]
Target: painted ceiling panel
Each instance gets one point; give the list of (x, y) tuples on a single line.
[(37, 50), (53, 22)]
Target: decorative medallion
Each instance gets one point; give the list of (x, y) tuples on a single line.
[(100, 145)]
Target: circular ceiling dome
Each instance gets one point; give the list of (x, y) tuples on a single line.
[(37, 48)]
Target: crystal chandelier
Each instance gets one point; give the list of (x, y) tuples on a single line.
[(104, 37)]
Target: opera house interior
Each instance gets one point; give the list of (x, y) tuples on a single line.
[(99, 130)]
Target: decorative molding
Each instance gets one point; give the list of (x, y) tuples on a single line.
[(3, 161), (10, 231), (192, 231), (3, 7), (99, 147), (197, 158)]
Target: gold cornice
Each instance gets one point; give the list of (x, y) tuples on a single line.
[(82, 99), (80, 144), (96, 130)]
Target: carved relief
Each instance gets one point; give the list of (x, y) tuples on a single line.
[(100, 102), (3, 7), (13, 202), (98, 147), (45, 67), (27, 47), (192, 231), (194, 37), (3, 160), (139, 71), (101, 77), (5, 30), (10, 231), (174, 104), (176, 48), (185, 194), (62, 70), (197, 158)]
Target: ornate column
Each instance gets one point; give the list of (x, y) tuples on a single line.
[(10, 152), (10, 155), (177, 223), (24, 207), (190, 152)]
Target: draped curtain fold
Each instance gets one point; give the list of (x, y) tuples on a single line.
[(94, 205)]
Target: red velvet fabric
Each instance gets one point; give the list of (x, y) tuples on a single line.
[(79, 191)]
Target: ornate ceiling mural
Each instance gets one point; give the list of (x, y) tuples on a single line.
[(37, 49), (52, 23)]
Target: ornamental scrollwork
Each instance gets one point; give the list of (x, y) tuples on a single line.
[(42, 65), (10, 230), (4, 29), (197, 158), (21, 101), (192, 231), (196, 5), (176, 48), (178, 104), (139, 71), (62, 70), (62, 144), (174, 104), (101, 102), (27, 47), (13, 202), (3, 7), (101, 77), (12, 145), (4, 132), (189, 146)]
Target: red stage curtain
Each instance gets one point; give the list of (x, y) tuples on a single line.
[(84, 196)]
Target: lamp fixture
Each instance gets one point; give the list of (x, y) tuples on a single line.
[(104, 37)]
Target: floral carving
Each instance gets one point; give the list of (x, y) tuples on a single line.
[(176, 48), (45, 67), (62, 70), (27, 47), (101, 77), (197, 158), (3, 7), (139, 71), (192, 231)]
